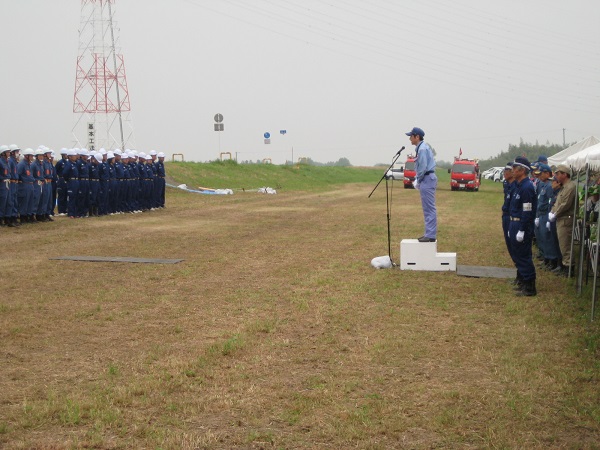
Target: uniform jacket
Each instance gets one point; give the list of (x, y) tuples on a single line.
[(565, 200)]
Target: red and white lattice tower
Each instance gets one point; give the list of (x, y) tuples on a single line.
[(101, 103)]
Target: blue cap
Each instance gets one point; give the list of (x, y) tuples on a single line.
[(416, 131), (542, 158), (544, 168), (523, 162)]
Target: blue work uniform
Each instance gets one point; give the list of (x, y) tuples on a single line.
[(71, 175), (544, 243), (523, 205), (46, 204), (104, 176), (13, 201), (160, 175), (37, 170), (61, 187), (427, 181), (25, 189), (509, 187), (83, 198), (120, 175), (134, 185), (94, 188), (112, 187), (4, 186)]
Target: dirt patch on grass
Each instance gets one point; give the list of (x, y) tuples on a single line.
[(276, 333)]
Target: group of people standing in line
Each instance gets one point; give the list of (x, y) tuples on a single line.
[(82, 183), (538, 203)]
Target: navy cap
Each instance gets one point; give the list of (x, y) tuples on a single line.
[(508, 166), (544, 168), (542, 158), (416, 131), (523, 162)]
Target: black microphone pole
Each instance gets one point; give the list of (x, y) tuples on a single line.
[(387, 201), (386, 170)]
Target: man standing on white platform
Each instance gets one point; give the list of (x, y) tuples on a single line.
[(425, 182)]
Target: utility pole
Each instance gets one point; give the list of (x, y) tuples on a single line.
[(564, 141)]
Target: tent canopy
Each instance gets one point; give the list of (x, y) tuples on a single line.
[(561, 157)]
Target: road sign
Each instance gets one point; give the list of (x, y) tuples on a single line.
[(267, 140), (218, 118), (219, 127), (267, 135), (282, 131)]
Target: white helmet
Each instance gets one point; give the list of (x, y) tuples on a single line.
[(39, 151), (28, 151), (14, 147), (4, 148), (64, 151), (110, 155), (152, 152), (161, 155)]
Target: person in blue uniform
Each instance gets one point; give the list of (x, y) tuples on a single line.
[(61, 185), (112, 183), (104, 176), (4, 184), (509, 186), (161, 174), (523, 205), (83, 198), (544, 195), (13, 201), (37, 170), (46, 203), (425, 182), (71, 175), (134, 181), (120, 175), (25, 187), (95, 184)]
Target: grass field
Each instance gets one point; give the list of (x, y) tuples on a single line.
[(275, 332)]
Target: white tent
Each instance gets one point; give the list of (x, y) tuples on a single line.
[(593, 157), (577, 161), (561, 157)]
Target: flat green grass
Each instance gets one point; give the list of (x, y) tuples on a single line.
[(275, 332)]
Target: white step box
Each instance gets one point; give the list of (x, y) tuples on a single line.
[(415, 255)]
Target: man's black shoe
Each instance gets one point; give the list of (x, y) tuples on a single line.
[(426, 239)]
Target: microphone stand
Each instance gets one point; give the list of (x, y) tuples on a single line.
[(387, 201)]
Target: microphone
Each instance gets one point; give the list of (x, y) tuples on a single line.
[(400, 151)]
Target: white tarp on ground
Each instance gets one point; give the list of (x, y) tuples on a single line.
[(561, 157)]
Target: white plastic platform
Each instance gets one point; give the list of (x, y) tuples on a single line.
[(415, 255)]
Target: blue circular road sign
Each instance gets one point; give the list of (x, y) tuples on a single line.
[(267, 135)]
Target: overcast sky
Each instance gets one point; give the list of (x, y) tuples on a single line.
[(345, 78)]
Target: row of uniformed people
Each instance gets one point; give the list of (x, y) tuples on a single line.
[(539, 206), (107, 184), (26, 190), (100, 183)]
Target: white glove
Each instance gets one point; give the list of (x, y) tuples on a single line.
[(551, 217), (548, 225), (508, 234), (520, 236), (416, 184), (537, 221)]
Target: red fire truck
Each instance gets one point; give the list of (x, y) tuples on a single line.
[(465, 175), (409, 172)]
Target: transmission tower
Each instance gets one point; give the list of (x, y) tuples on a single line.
[(101, 101)]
